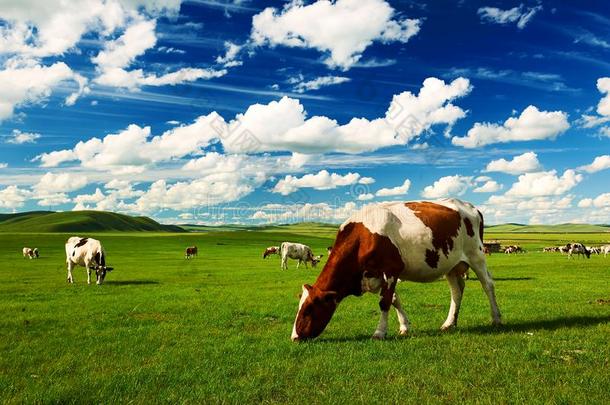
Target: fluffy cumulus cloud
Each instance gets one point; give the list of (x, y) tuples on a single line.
[(520, 15), (489, 186), (598, 164), (531, 125), (535, 210), (544, 184), (13, 197), (19, 138), (335, 28), (29, 82), (394, 191), (448, 186), (230, 58), (525, 163), (603, 108), (323, 180), (601, 201)]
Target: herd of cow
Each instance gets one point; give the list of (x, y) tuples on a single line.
[(378, 246), (579, 249)]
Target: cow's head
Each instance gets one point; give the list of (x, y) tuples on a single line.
[(100, 268), (315, 260), (588, 253), (316, 308)]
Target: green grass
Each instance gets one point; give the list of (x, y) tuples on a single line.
[(80, 221), (216, 329), (561, 228)]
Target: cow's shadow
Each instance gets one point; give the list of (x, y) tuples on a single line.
[(130, 282), (487, 329)]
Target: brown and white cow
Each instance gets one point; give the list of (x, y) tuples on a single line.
[(191, 252), (89, 253), (297, 251), (417, 241), (28, 253), (271, 250)]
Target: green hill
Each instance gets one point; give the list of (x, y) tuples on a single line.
[(80, 221), (561, 228)]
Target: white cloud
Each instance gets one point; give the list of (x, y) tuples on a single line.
[(3, 165), (540, 209), (13, 197), (19, 138), (323, 180), (601, 201), (603, 108), (448, 186), (335, 28), (532, 124), (490, 186), (398, 190), (122, 52), (229, 59), (521, 15), (525, 163), (365, 196), (544, 184), (320, 212), (301, 86), (59, 183), (605, 132), (27, 82), (598, 164)]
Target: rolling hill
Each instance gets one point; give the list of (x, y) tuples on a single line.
[(80, 221), (560, 228)]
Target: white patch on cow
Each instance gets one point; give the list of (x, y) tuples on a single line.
[(304, 296)]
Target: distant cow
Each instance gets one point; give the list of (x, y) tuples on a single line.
[(594, 250), (89, 253), (191, 252), (271, 250), (28, 253), (36, 253), (605, 250), (297, 251), (329, 250), (578, 249), (418, 241)]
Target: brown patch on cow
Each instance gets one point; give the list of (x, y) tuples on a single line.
[(355, 251), (81, 242), (432, 258), (469, 229), (443, 221), (481, 226)]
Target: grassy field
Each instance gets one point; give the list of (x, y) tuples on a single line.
[(216, 329)]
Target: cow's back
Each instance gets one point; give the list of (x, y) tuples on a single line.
[(431, 237)]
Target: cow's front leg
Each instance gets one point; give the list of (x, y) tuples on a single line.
[(70, 279), (88, 275), (385, 302), (402, 316)]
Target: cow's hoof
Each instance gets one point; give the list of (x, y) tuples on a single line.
[(403, 332), (378, 336), (447, 328)]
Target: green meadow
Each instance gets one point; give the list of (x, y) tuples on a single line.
[(216, 329)]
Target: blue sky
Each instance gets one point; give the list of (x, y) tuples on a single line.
[(255, 112)]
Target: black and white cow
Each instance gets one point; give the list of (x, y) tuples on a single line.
[(297, 251), (578, 249), (605, 250), (89, 253)]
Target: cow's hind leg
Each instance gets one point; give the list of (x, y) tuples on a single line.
[(480, 268), (88, 275), (456, 285), (402, 316)]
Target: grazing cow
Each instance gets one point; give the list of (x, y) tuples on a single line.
[(605, 250), (191, 252), (89, 253), (36, 253), (594, 249), (28, 253), (578, 249), (510, 250), (416, 241), (486, 251), (299, 252), (271, 250)]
